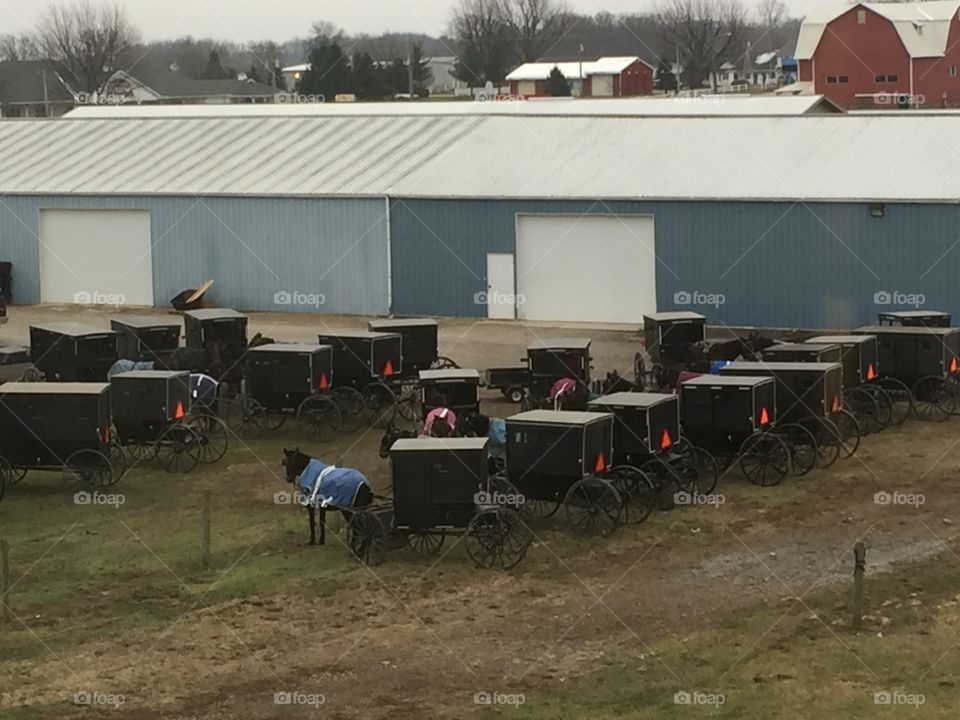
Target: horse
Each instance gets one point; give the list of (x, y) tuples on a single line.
[(320, 486)]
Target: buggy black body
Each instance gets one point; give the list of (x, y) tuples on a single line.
[(645, 424), (909, 353), (803, 352), (669, 335), (553, 359), (361, 357), (146, 338), (419, 341), (224, 330), (72, 352), (147, 402), (720, 411), (858, 355), (803, 390), (281, 376), (914, 318), (457, 389)]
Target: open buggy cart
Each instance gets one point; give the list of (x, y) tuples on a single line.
[(61, 427), (442, 487), (70, 352)]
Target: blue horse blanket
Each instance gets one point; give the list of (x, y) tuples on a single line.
[(322, 485)]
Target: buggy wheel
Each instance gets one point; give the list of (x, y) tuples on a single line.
[(32, 374), (638, 492), (88, 468), (848, 431), (6, 476), (884, 404), (367, 538), (380, 404), (443, 363), (540, 508), (828, 442), (865, 407), (515, 394), (408, 406), (178, 448), (242, 416), (901, 399), (764, 459), (802, 446), (212, 432), (594, 507), (117, 455), (699, 471), (933, 400), (500, 486), (319, 414), (141, 451), (352, 407), (426, 543), (497, 537)]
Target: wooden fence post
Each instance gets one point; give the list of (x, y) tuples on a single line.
[(205, 549), (860, 564), (5, 580)]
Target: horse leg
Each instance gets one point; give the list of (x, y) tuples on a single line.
[(313, 524), (323, 526)]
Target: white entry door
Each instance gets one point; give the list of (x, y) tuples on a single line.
[(96, 256), (501, 300)]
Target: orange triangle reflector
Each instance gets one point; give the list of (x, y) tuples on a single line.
[(179, 411), (324, 383), (764, 417), (665, 440), (871, 373), (601, 463), (388, 369), (953, 365), (836, 404), (106, 434)]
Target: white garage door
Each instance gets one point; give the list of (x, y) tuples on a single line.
[(96, 256), (602, 86), (589, 268)]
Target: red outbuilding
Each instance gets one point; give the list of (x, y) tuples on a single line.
[(606, 77), (881, 55)]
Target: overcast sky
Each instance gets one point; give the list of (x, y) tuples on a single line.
[(243, 20)]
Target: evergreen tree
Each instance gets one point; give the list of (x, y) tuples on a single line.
[(214, 69), (666, 80), (329, 74), (557, 84), (367, 77)]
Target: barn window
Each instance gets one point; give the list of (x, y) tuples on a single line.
[(951, 71), (885, 78), (861, 17)]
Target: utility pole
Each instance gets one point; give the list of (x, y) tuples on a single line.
[(410, 69), (46, 96), (581, 69)]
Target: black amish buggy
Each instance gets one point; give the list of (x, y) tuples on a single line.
[(146, 338), (57, 426), (565, 457), (152, 414), (914, 318), (668, 336), (367, 363), (811, 395), (925, 359), (803, 352), (284, 379), (876, 402), (456, 389), (71, 352), (419, 346), (442, 487), (548, 360), (222, 334), (646, 436)]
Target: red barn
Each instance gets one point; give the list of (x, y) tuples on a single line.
[(606, 77), (882, 55)]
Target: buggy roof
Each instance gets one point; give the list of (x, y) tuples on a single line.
[(909, 330), (799, 347), (842, 339), (214, 314), (450, 374), (559, 417), (388, 323), (771, 368), (633, 399), (676, 316), (146, 321), (915, 313), (565, 343), (728, 380), (357, 335), (434, 444), (152, 375), (73, 329), (50, 388), (296, 348)]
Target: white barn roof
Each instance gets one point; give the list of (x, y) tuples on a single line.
[(571, 69), (909, 157), (923, 27)]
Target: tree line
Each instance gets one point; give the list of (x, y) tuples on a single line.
[(488, 38)]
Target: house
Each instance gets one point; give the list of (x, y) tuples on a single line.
[(33, 89), (885, 54), (605, 77), (292, 74), (442, 80), (169, 87)]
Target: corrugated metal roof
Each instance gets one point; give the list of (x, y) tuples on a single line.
[(571, 69), (909, 157), (619, 107)]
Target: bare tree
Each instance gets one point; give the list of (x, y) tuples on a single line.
[(90, 41), (482, 28), (702, 31), (537, 25), (18, 47), (771, 14)]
